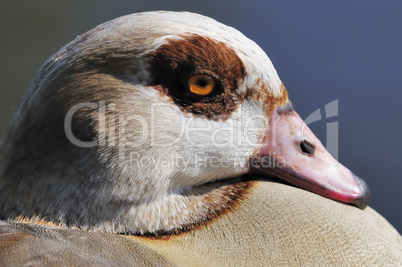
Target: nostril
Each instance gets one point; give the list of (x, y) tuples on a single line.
[(307, 147)]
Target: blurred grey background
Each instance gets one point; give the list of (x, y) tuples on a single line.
[(322, 50)]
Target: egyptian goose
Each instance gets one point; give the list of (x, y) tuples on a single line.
[(160, 138)]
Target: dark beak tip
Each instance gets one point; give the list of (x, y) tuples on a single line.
[(363, 201)]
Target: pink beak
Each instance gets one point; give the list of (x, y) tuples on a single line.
[(293, 153)]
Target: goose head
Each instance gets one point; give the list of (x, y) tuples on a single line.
[(158, 122)]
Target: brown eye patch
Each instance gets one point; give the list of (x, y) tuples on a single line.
[(172, 65)]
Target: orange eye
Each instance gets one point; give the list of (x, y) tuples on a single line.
[(201, 84)]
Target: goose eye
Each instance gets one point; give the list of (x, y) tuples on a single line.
[(201, 84)]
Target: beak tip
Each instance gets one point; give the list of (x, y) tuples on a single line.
[(362, 201)]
